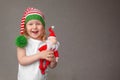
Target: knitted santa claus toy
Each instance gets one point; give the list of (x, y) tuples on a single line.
[(50, 44)]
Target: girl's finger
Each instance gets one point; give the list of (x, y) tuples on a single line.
[(50, 52), (49, 59), (50, 56)]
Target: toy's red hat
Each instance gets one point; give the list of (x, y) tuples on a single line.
[(52, 33)]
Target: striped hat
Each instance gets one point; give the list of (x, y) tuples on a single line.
[(31, 14)]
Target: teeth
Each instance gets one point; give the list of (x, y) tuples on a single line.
[(32, 30)]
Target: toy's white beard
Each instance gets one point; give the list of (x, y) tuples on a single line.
[(52, 46)]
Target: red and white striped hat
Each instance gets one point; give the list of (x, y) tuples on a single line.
[(29, 14)]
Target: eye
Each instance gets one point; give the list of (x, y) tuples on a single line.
[(30, 24), (38, 23)]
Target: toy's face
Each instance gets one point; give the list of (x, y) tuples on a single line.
[(53, 40)]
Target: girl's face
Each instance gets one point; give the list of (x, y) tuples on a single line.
[(34, 29)]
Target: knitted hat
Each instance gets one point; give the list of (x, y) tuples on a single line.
[(52, 33), (29, 14)]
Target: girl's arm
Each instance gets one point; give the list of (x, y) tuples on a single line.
[(26, 60)]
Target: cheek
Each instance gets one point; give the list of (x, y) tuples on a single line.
[(41, 29), (28, 29)]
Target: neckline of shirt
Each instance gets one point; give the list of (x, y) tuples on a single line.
[(35, 40)]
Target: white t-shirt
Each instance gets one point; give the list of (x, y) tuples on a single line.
[(32, 71)]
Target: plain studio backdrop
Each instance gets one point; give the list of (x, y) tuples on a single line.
[(88, 30)]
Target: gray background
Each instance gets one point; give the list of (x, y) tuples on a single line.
[(88, 30)]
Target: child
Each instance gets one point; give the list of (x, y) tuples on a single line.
[(32, 36)]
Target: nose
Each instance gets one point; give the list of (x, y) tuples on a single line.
[(34, 26)]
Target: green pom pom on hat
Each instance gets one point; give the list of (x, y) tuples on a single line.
[(21, 41)]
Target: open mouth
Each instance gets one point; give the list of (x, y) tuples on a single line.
[(35, 32)]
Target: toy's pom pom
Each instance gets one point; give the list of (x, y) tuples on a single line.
[(21, 41), (52, 27)]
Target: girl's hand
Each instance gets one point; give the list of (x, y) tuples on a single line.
[(47, 54), (52, 58), (53, 63)]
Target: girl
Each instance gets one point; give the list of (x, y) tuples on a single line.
[(32, 35)]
